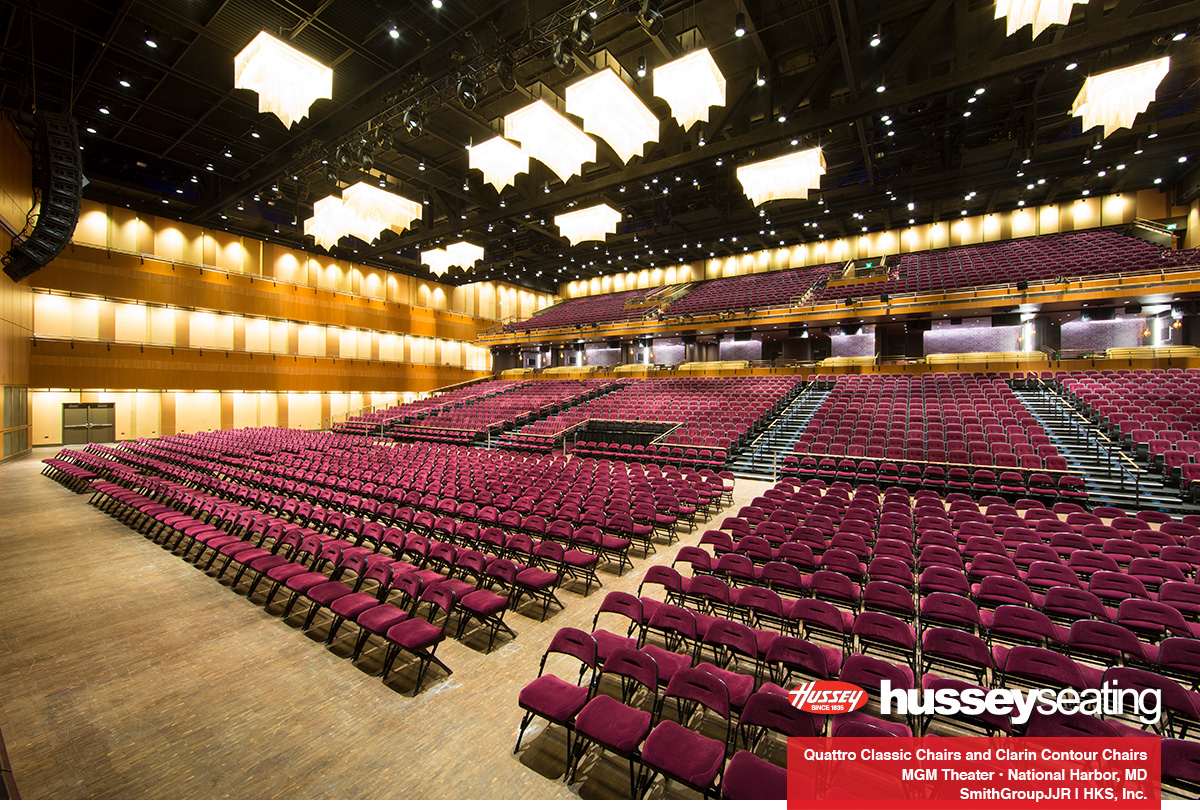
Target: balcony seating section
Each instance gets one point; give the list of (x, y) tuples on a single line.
[(1153, 414), (470, 421), (817, 581), (1033, 259), (589, 309), (781, 288)]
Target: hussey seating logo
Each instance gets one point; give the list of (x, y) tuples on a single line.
[(828, 697)]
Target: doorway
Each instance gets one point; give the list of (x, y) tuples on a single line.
[(86, 422)]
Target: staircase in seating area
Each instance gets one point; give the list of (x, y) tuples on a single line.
[(664, 297), (761, 458), (1112, 478)]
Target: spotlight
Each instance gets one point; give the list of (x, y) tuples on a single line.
[(641, 68), (468, 92), (331, 177), (384, 140), (581, 32), (761, 78), (650, 18), (363, 157), (739, 25), (876, 36), (341, 159), (414, 123), (504, 72), (563, 59)]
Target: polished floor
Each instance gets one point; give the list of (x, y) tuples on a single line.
[(127, 673)]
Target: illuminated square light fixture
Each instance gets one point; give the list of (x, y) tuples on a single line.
[(499, 160), (460, 254), (783, 178), (1113, 100), (364, 211), (690, 85), (612, 111), (548, 136), (373, 205), (1041, 14), (588, 224), (328, 223), (286, 80)]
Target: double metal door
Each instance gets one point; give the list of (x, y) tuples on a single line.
[(84, 422)]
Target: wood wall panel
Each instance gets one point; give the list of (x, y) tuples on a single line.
[(90, 271), (63, 364)]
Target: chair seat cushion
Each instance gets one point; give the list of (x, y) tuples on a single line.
[(381, 618), (413, 634), (536, 578), (613, 724), (553, 698), (581, 559), (683, 754), (484, 603), (282, 573), (352, 604), (607, 641), (264, 564), (328, 592), (301, 583)]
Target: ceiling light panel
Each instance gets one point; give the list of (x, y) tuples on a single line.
[(499, 160), (548, 136), (588, 224), (1114, 99), (610, 110), (786, 177), (286, 80), (1041, 14), (690, 85)]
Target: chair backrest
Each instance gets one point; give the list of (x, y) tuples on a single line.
[(575, 643), (869, 673), (634, 664), (775, 712), (700, 687)]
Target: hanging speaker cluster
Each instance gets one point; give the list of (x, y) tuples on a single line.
[(59, 182)]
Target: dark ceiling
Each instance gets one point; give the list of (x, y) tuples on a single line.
[(180, 140)]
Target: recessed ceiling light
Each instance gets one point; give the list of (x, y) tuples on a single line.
[(880, 87), (1072, 65), (91, 130), (394, 32), (436, 3), (1180, 36), (1157, 180), (104, 109), (254, 134)]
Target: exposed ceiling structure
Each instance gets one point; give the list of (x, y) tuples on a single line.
[(945, 114)]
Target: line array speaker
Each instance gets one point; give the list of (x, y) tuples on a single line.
[(59, 181)]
